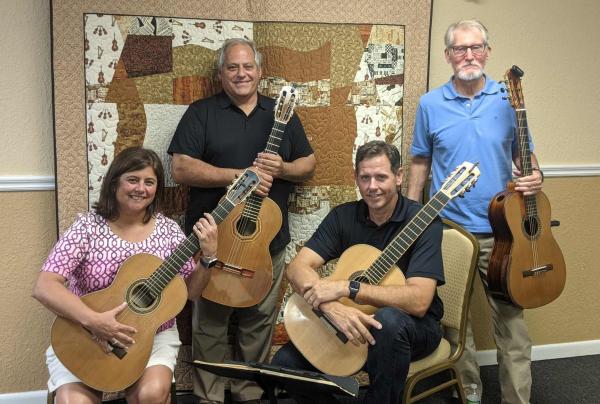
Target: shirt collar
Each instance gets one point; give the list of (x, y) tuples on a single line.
[(225, 102), (490, 87), (398, 216)]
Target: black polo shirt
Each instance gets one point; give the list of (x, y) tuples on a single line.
[(349, 224), (217, 132)]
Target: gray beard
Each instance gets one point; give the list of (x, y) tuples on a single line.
[(464, 76)]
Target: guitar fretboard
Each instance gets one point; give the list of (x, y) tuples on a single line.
[(525, 157), (173, 264), (407, 236), (254, 202)]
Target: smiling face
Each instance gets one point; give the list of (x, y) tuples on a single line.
[(240, 74), (136, 191), (469, 66), (378, 185)]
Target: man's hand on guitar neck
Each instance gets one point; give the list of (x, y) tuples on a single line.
[(352, 322), (266, 181), (271, 164), (529, 185)]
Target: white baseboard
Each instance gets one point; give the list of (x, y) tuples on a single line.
[(484, 358), (549, 351)]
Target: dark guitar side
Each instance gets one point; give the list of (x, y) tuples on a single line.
[(514, 252)]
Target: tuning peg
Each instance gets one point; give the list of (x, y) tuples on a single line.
[(502, 90)]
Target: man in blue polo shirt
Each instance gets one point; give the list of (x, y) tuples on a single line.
[(469, 119), (406, 325)]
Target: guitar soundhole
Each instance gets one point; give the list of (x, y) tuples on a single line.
[(141, 298), (358, 276), (245, 226), (531, 226)]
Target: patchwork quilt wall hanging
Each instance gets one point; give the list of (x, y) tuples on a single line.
[(125, 73)]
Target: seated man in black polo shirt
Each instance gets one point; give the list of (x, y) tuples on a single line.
[(406, 325)]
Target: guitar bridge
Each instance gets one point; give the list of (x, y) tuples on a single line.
[(234, 269), (537, 271), (341, 336)]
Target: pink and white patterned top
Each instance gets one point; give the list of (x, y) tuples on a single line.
[(89, 254)]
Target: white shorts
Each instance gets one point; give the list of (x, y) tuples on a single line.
[(164, 352)]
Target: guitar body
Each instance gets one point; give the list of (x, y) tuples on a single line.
[(520, 247), (85, 358), (315, 338), (248, 250)]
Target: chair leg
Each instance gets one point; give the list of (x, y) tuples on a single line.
[(50, 398), (173, 393), (458, 386)]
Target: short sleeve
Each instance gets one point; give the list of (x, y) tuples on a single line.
[(189, 137), (421, 143), (70, 250), (326, 239)]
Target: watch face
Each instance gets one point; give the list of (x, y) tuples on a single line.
[(209, 262)]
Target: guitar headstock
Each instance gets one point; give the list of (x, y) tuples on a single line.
[(285, 103), (460, 180), (243, 186), (512, 79)]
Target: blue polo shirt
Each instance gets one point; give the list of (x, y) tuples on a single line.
[(451, 129)]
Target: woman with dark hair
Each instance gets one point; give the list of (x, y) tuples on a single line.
[(126, 221)]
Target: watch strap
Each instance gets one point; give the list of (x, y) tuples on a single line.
[(354, 286), (208, 262)]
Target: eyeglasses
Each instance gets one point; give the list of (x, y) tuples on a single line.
[(477, 49)]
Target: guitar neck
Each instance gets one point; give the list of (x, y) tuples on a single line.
[(402, 242), (172, 265), (254, 202), (275, 137), (525, 158)]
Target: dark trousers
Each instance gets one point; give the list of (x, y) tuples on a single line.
[(402, 339)]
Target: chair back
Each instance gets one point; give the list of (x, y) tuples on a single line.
[(460, 251)]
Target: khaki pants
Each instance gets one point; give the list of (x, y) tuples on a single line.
[(209, 343), (511, 338)]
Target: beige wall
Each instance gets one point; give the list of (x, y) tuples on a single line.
[(552, 41)]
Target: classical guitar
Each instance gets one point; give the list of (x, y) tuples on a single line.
[(321, 343), (244, 274), (154, 293), (526, 266)]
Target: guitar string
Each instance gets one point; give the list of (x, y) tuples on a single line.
[(152, 286), (251, 211), (530, 202), (167, 270), (399, 245)]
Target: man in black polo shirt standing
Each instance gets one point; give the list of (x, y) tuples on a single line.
[(406, 325), (216, 140)]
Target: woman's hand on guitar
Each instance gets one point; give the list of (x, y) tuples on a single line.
[(352, 322), (105, 327), (325, 291), (529, 185), (266, 181), (206, 231)]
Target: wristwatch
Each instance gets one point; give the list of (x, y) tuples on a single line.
[(353, 286), (208, 262)]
